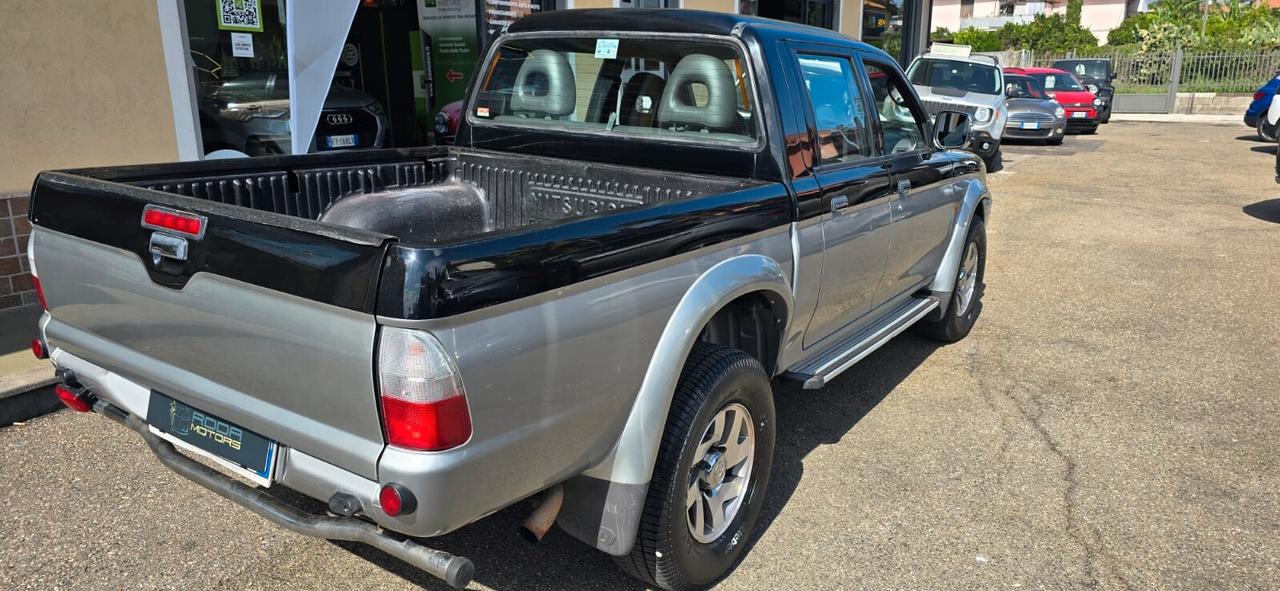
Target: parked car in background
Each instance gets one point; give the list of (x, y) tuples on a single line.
[(1032, 114), (586, 299), (1255, 115), (950, 77), (250, 114), (1080, 104), (1098, 75), (446, 123)]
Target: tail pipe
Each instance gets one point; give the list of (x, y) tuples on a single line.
[(457, 571), (544, 515)]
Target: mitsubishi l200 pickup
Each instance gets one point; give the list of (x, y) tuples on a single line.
[(649, 216)]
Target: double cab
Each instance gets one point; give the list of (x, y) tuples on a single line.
[(648, 219)]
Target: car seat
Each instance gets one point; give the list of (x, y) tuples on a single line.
[(544, 86)]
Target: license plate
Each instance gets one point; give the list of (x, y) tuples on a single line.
[(1032, 125), (1079, 114), (341, 141), (238, 449)]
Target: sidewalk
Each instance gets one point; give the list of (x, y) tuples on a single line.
[(20, 371), (1233, 120)]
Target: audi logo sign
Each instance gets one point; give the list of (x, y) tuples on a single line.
[(338, 118)]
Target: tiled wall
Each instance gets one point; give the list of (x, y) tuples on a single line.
[(15, 275)]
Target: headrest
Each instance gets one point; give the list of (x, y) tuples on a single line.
[(676, 106), (544, 85)]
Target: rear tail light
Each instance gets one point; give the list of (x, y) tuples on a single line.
[(35, 282), (74, 401), (424, 406), (38, 349), (1257, 96)]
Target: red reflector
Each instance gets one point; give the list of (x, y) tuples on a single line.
[(35, 282), (37, 349), (70, 399), (178, 222), (432, 426), (1257, 96), (395, 500)]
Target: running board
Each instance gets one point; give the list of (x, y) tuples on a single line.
[(815, 372)]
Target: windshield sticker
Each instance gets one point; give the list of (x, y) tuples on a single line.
[(606, 49), (482, 111)]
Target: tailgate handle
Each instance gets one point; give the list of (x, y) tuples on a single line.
[(168, 246)]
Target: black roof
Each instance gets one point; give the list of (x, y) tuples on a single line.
[(667, 20)]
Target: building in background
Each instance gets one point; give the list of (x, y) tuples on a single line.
[(104, 82), (1099, 16)]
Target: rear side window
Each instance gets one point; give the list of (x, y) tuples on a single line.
[(903, 132), (680, 89), (838, 112)]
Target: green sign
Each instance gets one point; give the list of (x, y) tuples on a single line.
[(240, 15), (449, 37)]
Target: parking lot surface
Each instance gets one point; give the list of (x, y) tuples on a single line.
[(1112, 422)]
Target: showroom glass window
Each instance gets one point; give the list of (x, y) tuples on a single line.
[(241, 76)]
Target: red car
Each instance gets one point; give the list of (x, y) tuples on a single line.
[(1062, 86)]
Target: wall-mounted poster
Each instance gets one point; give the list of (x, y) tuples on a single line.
[(449, 34), (498, 14), (240, 15)]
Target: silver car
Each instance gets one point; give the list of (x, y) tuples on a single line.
[(1032, 114), (948, 77)]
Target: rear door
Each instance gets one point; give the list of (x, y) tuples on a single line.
[(922, 208), (265, 322), (855, 188)]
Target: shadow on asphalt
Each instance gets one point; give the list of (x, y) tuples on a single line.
[(1267, 211), (807, 419), (1253, 137), (1268, 149)]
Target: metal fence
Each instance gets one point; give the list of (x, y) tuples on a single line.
[(1142, 73)]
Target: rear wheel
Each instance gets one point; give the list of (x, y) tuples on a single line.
[(966, 297), (1266, 133), (712, 469)]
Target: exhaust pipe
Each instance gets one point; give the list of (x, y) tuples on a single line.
[(543, 516)]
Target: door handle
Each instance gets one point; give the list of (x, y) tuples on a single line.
[(839, 203), (903, 187)]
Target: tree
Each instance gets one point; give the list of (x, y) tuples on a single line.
[(1052, 33), (978, 39), (1074, 8)]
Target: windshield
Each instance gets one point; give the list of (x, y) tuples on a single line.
[(1057, 81), (956, 75), (682, 89), (1029, 87), (1093, 68)]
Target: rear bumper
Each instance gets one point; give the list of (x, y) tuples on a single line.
[(445, 501), (454, 570)]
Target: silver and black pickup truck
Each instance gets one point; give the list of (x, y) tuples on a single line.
[(648, 217)]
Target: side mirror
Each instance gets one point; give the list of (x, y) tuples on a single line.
[(951, 129), (1013, 91)]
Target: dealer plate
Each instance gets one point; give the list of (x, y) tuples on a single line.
[(341, 141), (238, 449)]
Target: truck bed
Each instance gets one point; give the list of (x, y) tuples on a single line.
[(426, 196)]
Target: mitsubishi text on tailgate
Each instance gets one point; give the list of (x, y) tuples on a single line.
[(648, 216)]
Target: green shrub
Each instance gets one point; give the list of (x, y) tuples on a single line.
[(979, 40)]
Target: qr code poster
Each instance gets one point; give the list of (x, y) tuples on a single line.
[(240, 15)]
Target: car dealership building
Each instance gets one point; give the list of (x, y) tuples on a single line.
[(103, 82)]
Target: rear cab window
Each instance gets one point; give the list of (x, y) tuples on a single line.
[(677, 89)]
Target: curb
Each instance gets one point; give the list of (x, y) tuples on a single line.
[(27, 394)]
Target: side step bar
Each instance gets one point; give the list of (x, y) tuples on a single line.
[(454, 570), (816, 371)]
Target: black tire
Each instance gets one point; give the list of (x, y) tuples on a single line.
[(1266, 132), (665, 554), (1105, 116), (995, 163), (952, 327)]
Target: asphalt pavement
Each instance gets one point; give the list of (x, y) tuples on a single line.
[(1112, 422)]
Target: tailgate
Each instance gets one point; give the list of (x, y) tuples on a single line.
[(268, 323)]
